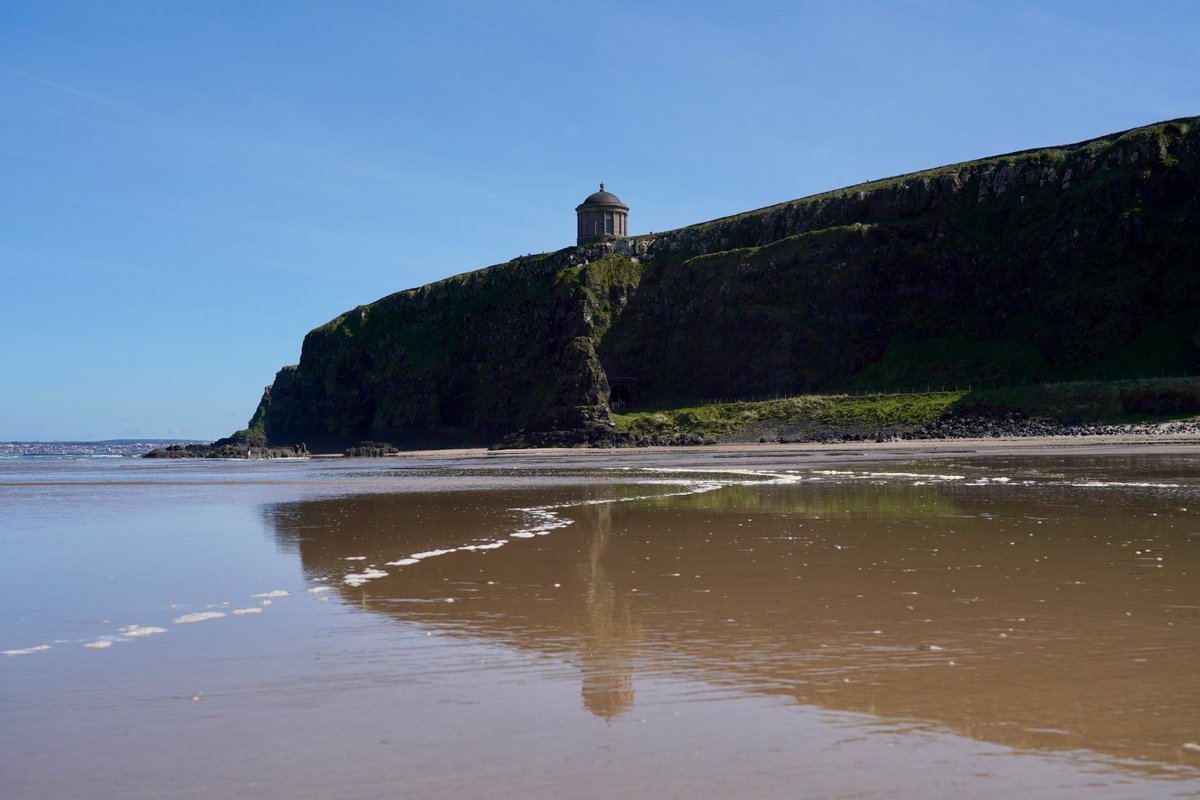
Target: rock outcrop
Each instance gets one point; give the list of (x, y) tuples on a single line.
[(1067, 261)]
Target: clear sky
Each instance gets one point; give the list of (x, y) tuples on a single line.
[(187, 188)]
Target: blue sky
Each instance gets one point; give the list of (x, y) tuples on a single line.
[(187, 188)]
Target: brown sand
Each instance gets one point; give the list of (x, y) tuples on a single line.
[(1126, 444)]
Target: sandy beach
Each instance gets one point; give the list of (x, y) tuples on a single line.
[(976, 618), (767, 453)]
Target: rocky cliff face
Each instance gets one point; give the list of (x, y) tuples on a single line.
[(464, 360), (1078, 260)]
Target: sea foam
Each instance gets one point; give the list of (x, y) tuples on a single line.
[(199, 616), (140, 631), (359, 578), (26, 651)]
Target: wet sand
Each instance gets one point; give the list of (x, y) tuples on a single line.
[(927, 620), (769, 453)]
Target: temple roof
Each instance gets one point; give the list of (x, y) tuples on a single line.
[(603, 198)]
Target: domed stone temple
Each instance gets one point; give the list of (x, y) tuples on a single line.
[(602, 216)]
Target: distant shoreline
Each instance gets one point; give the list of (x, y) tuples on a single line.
[(855, 450), (85, 447)]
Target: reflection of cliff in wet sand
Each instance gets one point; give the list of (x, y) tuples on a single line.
[(327, 533), (1018, 616), (607, 654)]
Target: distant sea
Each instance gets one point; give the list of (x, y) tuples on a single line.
[(107, 448)]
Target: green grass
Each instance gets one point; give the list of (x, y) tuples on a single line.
[(716, 419), (1092, 402)]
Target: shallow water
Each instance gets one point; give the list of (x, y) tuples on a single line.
[(625, 625)]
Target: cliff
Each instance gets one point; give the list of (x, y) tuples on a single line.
[(1065, 262)]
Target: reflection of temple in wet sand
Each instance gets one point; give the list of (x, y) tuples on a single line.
[(607, 650), (595, 615)]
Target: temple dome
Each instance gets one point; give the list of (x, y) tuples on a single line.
[(601, 217), (603, 198)]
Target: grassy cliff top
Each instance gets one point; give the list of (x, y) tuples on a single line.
[(1089, 148)]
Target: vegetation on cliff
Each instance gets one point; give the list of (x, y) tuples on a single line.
[(1051, 409), (1069, 263)]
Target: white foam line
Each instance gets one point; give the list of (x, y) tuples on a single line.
[(433, 553), (416, 558), (199, 616), (28, 650), (1122, 484), (996, 480), (912, 475), (551, 521), (273, 593), (142, 631), (919, 475), (139, 631), (923, 476), (776, 477), (546, 519)]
